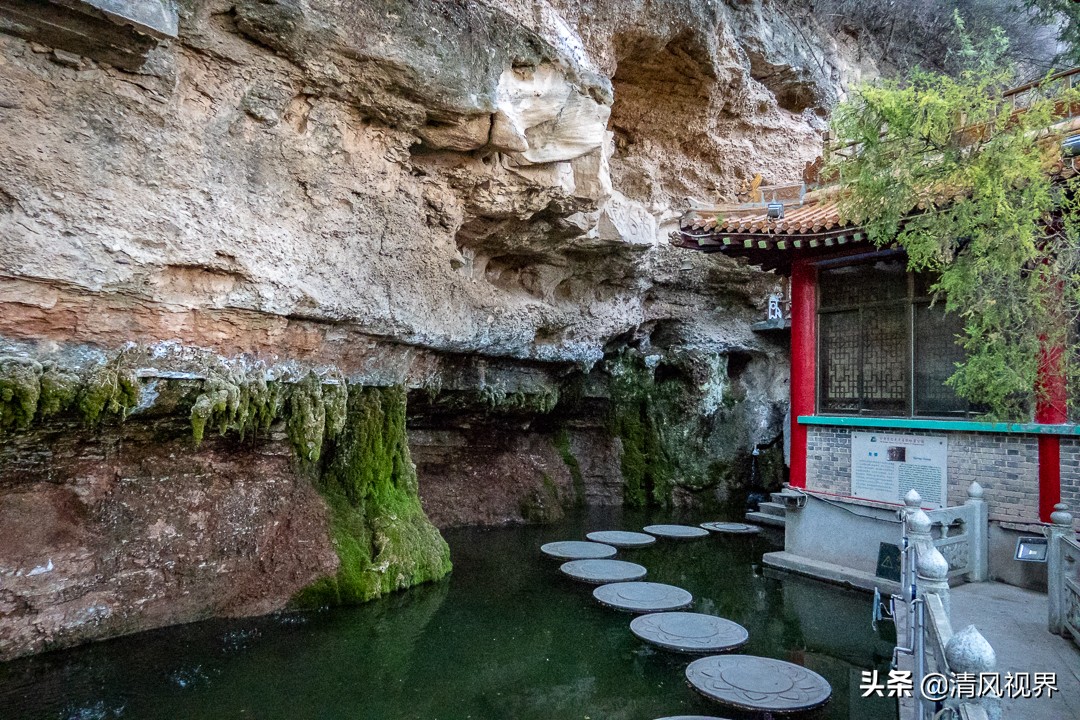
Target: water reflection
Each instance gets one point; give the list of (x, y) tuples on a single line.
[(505, 638)]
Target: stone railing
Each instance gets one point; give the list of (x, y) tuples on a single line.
[(839, 538), (1063, 575), (961, 534), (933, 648)]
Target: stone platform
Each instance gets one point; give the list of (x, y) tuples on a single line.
[(1013, 621)]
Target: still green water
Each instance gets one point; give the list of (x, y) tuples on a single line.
[(505, 638)]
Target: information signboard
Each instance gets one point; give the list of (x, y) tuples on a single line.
[(885, 466)]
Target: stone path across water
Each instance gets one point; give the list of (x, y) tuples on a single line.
[(622, 538), (676, 532), (642, 597), (601, 572), (577, 550), (689, 632), (745, 682), (755, 683), (731, 528)]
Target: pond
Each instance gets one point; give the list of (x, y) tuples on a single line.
[(504, 638)]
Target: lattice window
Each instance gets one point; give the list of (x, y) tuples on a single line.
[(840, 361), (881, 349), (886, 359), (936, 355)]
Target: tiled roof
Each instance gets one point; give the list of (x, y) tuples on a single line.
[(813, 223), (811, 216)]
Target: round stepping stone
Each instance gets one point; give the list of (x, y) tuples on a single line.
[(621, 538), (689, 632), (642, 597), (601, 572), (690, 717), (758, 684), (676, 532), (577, 550), (731, 528)]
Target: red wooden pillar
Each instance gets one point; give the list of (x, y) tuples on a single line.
[(1051, 408), (803, 361)]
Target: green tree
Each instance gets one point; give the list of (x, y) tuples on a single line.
[(944, 167)]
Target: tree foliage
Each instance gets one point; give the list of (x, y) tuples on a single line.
[(942, 166)]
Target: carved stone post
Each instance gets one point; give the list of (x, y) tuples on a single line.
[(932, 576), (912, 502), (980, 541), (968, 651), (913, 534), (1060, 527)]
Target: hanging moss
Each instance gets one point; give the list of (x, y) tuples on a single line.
[(212, 407), (543, 506), (336, 403), (242, 403), (562, 444), (660, 432), (20, 389), (109, 388), (307, 418), (59, 391), (383, 538)]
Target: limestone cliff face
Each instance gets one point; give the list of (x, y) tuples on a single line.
[(467, 199)]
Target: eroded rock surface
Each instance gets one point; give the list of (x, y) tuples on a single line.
[(466, 199)]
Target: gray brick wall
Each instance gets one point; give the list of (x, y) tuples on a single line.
[(1007, 466), (828, 459), (1070, 475)]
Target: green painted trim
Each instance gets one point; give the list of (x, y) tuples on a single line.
[(927, 424)]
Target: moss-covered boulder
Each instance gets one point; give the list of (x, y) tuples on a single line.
[(383, 538)]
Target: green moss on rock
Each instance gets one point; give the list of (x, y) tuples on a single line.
[(307, 418), (20, 389), (109, 388), (242, 403), (59, 391), (542, 506), (383, 538), (655, 411), (562, 444)]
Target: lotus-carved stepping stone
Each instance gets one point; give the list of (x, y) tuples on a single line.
[(622, 538), (758, 684), (577, 550), (690, 717), (601, 572), (676, 532), (689, 632), (731, 528), (642, 597)]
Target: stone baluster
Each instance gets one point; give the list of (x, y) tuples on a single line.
[(979, 531), (912, 501), (931, 567), (967, 651), (1060, 527)]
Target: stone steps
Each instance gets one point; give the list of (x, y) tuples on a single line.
[(773, 508), (762, 518), (772, 513)]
